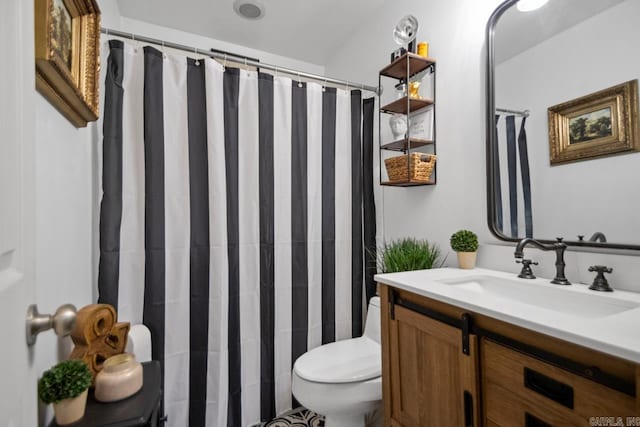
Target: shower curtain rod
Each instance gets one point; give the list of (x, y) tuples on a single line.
[(524, 113), (248, 62)]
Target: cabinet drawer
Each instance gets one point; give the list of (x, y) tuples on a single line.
[(539, 385), (503, 408)]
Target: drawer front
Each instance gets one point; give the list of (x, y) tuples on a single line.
[(542, 385), (503, 408)]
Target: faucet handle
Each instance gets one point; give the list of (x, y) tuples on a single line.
[(600, 269), (600, 282), (526, 272)]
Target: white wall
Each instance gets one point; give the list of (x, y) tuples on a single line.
[(455, 31), (201, 42), (110, 13), (558, 70)]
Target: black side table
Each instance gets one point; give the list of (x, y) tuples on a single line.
[(141, 409)]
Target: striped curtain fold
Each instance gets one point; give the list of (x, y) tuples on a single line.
[(236, 208), (513, 203)]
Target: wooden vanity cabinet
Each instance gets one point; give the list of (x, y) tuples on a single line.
[(430, 375), (444, 366)]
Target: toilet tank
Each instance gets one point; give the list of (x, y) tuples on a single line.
[(372, 325)]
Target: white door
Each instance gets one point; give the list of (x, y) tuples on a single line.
[(18, 399)]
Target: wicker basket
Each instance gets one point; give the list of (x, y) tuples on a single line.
[(421, 167)]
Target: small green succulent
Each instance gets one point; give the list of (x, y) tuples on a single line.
[(68, 379), (464, 241)]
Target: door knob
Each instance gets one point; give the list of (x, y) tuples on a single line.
[(62, 321)]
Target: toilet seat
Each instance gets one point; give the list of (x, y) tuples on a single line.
[(348, 361)]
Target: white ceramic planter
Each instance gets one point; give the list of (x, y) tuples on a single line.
[(467, 260), (70, 410), (121, 377)]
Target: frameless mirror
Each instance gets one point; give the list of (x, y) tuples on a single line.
[(562, 122)]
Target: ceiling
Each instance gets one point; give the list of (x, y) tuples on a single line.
[(518, 31), (307, 30)]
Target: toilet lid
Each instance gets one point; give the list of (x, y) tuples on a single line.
[(345, 361)]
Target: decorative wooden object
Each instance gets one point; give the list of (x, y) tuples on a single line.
[(97, 335)]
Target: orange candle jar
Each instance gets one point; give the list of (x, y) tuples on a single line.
[(423, 49)]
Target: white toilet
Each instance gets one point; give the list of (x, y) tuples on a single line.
[(342, 380)]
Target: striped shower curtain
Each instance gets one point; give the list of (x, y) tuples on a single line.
[(514, 216), (231, 224)]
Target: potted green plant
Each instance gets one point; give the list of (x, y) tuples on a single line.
[(65, 385), (409, 254), (465, 243)]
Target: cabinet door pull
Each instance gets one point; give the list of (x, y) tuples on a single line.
[(468, 409), (392, 304), (531, 421), (548, 387), (466, 326)]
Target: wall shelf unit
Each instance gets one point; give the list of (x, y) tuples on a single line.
[(407, 69)]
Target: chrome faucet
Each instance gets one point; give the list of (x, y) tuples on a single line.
[(559, 247)]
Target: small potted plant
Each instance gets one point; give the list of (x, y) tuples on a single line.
[(65, 385), (465, 243), (409, 254)]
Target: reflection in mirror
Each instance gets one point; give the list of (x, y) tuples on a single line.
[(551, 61)]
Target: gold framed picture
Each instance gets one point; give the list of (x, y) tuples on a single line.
[(595, 125), (67, 56)]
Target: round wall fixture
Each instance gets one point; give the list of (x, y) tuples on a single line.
[(249, 9)]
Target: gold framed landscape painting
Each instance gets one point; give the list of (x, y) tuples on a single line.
[(67, 56), (599, 124)]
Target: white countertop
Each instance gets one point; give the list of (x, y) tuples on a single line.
[(617, 334)]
